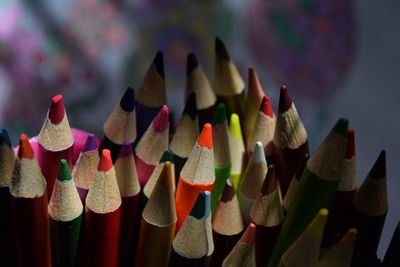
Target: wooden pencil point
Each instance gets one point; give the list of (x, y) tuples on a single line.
[(166, 180), (90, 144), (167, 156), (205, 138), (64, 174), (126, 150), (25, 148), (192, 63), (220, 115), (159, 63), (350, 147), (127, 102), (285, 101), (105, 163), (234, 126), (201, 207), (220, 49), (160, 122), (57, 110), (378, 171), (266, 107), (255, 88), (229, 191), (341, 127)]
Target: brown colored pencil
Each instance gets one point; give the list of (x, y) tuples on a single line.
[(55, 142), (103, 216), (370, 207), (157, 226), (242, 255), (268, 216), (227, 83), (305, 250), (196, 176), (290, 140), (341, 253), (193, 244), (254, 97), (227, 224), (198, 83), (29, 206)]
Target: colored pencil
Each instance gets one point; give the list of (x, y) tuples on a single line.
[(29, 205), (55, 142), (392, 256), (103, 216), (341, 253), (252, 181), (340, 210), (268, 216), (185, 135), (152, 145), (193, 244), (237, 149), (120, 126), (227, 83), (197, 82), (86, 166), (151, 95), (129, 188), (65, 218), (227, 224), (254, 97), (148, 188), (7, 162), (197, 175), (370, 206), (157, 227), (264, 129), (242, 255), (316, 190), (222, 154), (305, 250), (290, 140), (294, 186)]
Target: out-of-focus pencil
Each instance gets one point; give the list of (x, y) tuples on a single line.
[(254, 97), (242, 255), (222, 154), (316, 190), (268, 216), (157, 227), (198, 83), (252, 181), (227, 83), (305, 250), (86, 166), (55, 142), (129, 188), (29, 205), (152, 145), (340, 209), (392, 256), (193, 244), (197, 175), (341, 253), (227, 224), (237, 149), (290, 140), (102, 216), (185, 135), (370, 205), (120, 126), (7, 162), (65, 218), (151, 95)]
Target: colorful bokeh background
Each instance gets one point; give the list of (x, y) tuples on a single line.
[(338, 58)]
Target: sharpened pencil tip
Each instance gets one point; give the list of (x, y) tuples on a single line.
[(205, 138), (255, 88), (220, 49), (168, 155), (378, 171), (201, 207), (127, 102), (165, 179), (105, 163), (220, 114), (266, 107), (249, 235), (341, 127), (285, 101), (191, 63), (57, 110), (159, 63), (90, 144), (126, 150), (63, 173), (229, 191), (350, 146), (25, 148), (161, 121), (349, 238), (4, 138), (258, 153), (234, 126), (317, 225)]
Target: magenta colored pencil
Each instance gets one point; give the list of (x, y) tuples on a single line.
[(152, 145)]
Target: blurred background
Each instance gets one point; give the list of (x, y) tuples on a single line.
[(338, 58)]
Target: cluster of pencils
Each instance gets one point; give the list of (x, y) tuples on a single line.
[(207, 192)]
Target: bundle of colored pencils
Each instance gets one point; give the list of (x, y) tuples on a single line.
[(209, 195)]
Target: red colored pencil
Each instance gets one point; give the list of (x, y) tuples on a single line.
[(55, 142), (29, 205), (103, 216), (152, 145)]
